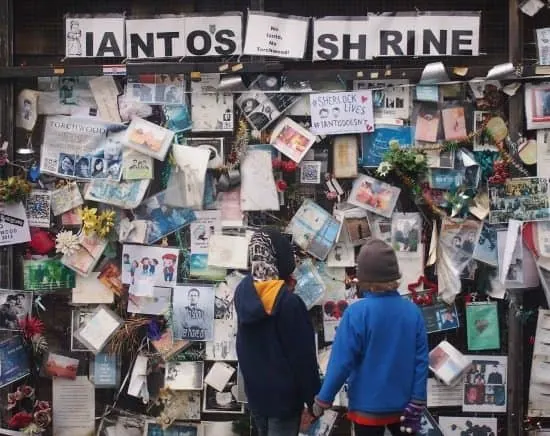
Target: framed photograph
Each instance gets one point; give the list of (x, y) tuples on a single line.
[(406, 232), (156, 265), (374, 195), (14, 360), (224, 401), (524, 199), (310, 172), (15, 306), (439, 317), (184, 376), (149, 300), (47, 274), (291, 139), (214, 145), (187, 429), (163, 219), (79, 317), (120, 422), (193, 312), (537, 105), (38, 207), (57, 365), (148, 138)]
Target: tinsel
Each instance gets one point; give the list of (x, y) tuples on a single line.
[(506, 157), (239, 146), (485, 159)]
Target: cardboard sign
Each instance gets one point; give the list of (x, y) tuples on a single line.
[(275, 35), (14, 227), (342, 112), (94, 37)]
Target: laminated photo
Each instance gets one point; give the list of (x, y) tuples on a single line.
[(258, 190), (391, 98), (486, 249), (485, 387), (224, 401), (523, 199), (310, 287), (179, 405), (439, 317), (136, 165), (334, 302), (184, 376), (374, 195), (207, 223), (200, 269), (111, 277), (193, 312), (313, 229), (342, 255), (47, 274), (186, 184), (223, 346), (90, 290), (148, 138), (291, 139), (66, 198), (126, 195), (15, 306), (157, 265), (38, 207), (483, 331), (211, 111), (163, 219), (104, 371), (464, 425), (406, 231)]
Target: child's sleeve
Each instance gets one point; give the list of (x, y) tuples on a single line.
[(421, 364), (345, 350)]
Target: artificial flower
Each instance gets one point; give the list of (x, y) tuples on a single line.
[(27, 391), (384, 168), (20, 420), (281, 185), (419, 158), (31, 327), (66, 242), (43, 418), (42, 405), (12, 400), (154, 330)]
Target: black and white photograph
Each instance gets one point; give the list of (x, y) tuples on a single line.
[(486, 249), (468, 425), (428, 425), (439, 317), (79, 318), (214, 145), (15, 306), (406, 228), (184, 376), (310, 172), (225, 401), (193, 312), (121, 423)]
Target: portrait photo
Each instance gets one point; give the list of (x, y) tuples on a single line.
[(193, 312), (15, 306)]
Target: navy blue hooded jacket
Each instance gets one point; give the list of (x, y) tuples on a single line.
[(276, 349)]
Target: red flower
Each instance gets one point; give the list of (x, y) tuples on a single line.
[(31, 326), (281, 186), (276, 163), (27, 391), (289, 166), (20, 420), (41, 405)]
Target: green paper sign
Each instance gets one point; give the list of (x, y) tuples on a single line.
[(482, 327)]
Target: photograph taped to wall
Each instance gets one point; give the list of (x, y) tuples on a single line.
[(439, 317), (391, 97), (485, 387), (225, 401), (193, 310)]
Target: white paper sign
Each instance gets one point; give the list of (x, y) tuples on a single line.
[(155, 38), (342, 112), (214, 36), (94, 37), (272, 35), (340, 38), (14, 227)]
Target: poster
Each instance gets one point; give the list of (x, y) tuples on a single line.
[(193, 312), (485, 387), (14, 226), (81, 148), (342, 112)]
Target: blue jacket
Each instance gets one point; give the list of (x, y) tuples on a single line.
[(381, 349), (276, 349)]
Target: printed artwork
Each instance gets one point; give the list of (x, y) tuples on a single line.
[(157, 265), (136, 165), (15, 306), (46, 274), (482, 326), (485, 387), (193, 312)]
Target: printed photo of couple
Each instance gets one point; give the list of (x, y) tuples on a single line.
[(153, 264), (14, 307)]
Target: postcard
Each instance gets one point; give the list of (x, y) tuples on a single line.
[(211, 111), (427, 123), (440, 395), (439, 317), (16, 306), (126, 195), (224, 401), (406, 231), (258, 190), (486, 249), (524, 199), (38, 208), (56, 365), (74, 413), (313, 229), (214, 145), (111, 277), (228, 251), (155, 302), (219, 375), (184, 376), (447, 363), (47, 274), (86, 256), (105, 371), (344, 152), (136, 165), (79, 317), (374, 195), (163, 219), (482, 324), (66, 198), (14, 360), (159, 265), (391, 98), (291, 139), (193, 312), (99, 329), (454, 123), (148, 138), (310, 287), (375, 144), (485, 387), (14, 225)]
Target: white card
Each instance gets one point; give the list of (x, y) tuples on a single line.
[(228, 251), (219, 375)]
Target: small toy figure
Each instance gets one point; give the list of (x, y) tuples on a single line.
[(169, 260)]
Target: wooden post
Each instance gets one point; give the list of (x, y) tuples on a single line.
[(516, 404), (6, 121)]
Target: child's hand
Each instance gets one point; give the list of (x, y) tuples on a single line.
[(306, 420), (410, 420)]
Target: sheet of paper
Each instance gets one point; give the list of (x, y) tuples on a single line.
[(89, 290), (512, 234), (73, 407), (139, 376), (219, 375), (440, 395), (106, 93)]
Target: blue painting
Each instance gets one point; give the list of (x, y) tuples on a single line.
[(375, 144)]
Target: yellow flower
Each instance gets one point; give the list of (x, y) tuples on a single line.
[(419, 158)]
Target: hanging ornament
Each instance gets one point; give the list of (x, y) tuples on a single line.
[(427, 294)]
